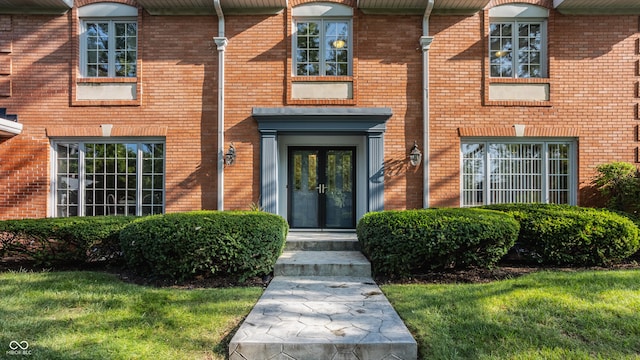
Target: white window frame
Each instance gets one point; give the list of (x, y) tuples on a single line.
[(323, 44), (82, 186), (515, 51), (321, 12), (111, 49), (545, 142)]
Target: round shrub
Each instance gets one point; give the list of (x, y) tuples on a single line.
[(184, 245), (403, 243), (63, 241), (570, 235)]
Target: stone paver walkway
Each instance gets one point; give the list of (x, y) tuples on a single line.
[(315, 314)]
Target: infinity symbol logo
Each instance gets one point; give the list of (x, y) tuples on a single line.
[(23, 345)]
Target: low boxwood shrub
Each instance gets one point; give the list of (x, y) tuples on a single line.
[(179, 246), (570, 235), (408, 242), (63, 241)]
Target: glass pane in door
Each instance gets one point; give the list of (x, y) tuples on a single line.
[(339, 199), (304, 192)]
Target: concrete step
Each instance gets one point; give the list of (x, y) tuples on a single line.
[(319, 318), (322, 245), (322, 263), (322, 241)]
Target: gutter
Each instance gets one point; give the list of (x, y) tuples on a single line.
[(221, 42), (425, 43)]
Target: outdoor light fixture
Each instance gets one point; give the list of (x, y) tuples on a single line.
[(339, 44), (230, 156), (415, 156)]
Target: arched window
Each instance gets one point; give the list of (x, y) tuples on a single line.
[(322, 40), (109, 40)]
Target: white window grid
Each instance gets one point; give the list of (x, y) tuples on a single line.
[(517, 48), (322, 47), (130, 173), (513, 172), (109, 48)]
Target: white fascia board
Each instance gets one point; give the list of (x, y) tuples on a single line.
[(10, 128)]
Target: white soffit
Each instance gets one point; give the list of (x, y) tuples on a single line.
[(443, 7), (35, 6), (597, 7), (205, 7)]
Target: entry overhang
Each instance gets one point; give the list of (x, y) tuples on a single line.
[(299, 119)]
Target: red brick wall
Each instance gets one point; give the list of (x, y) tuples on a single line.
[(179, 84), (592, 62), (593, 67)]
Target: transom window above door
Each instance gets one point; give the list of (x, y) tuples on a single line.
[(322, 40)]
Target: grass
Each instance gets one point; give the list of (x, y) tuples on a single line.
[(90, 315), (546, 315)]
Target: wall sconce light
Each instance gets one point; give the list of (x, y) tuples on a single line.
[(230, 156), (415, 156)]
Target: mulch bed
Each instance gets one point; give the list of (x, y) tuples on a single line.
[(506, 270)]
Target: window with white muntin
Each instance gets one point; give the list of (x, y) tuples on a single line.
[(110, 48), (93, 178), (322, 40), (518, 41), (109, 45), (502, 171)]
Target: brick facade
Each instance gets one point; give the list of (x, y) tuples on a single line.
[(594, 71)]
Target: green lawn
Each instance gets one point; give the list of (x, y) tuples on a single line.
[(546, 315), (88, 315)]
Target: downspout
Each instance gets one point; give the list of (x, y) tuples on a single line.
[(221, 42), (425, 43)]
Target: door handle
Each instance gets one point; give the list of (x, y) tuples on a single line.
[(321, 188)]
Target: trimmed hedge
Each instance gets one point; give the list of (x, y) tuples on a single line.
[(402, 243), (570, 235), (179, 246), (63, 241)]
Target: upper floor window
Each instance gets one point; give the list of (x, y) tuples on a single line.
[(322, 40), (518, 41), (109, 45)]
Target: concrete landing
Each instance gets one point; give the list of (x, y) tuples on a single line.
[(333, 316)]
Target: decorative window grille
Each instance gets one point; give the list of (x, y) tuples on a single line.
[(109, 178), (504, 172)]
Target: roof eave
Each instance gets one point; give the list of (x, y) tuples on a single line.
[(9, 128)]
